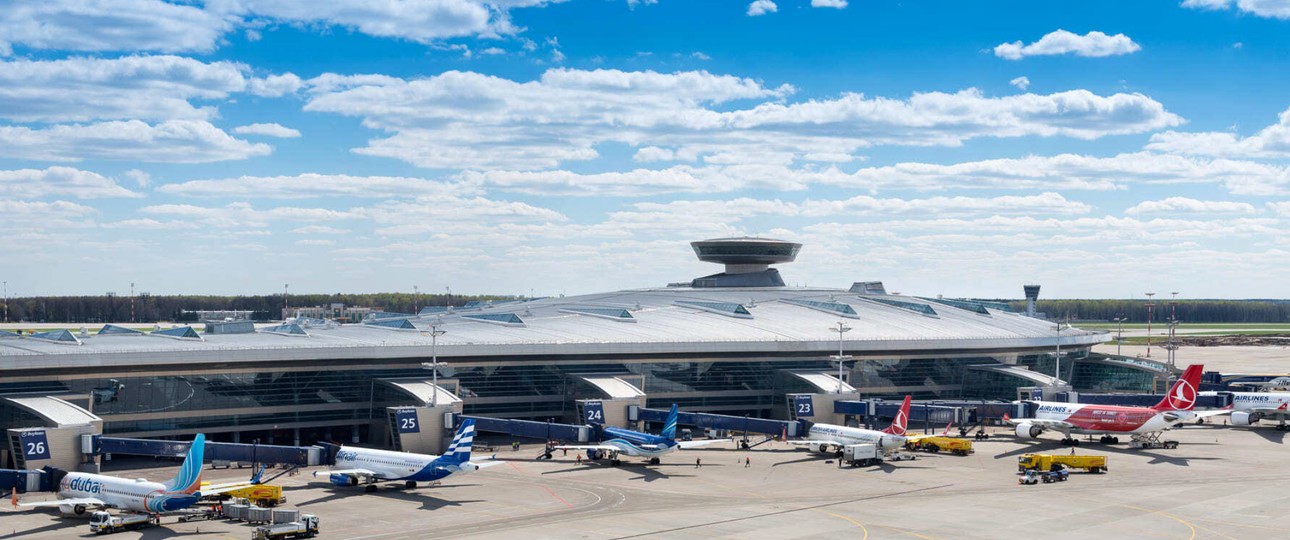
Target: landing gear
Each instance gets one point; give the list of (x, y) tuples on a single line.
[(410, 484), (371, 488), (1070, 441), (1283, 427), (615, 462), (653, 461), (1108, 439)]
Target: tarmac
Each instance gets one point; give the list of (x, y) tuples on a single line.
[(1221, 482)]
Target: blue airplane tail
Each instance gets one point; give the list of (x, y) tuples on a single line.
[(459, 450), (669, 428), (189, 478)]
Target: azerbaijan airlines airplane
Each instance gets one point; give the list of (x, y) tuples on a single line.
[(1143, 424), (626, 442), (356, 466), (79, 491), (829, 438)]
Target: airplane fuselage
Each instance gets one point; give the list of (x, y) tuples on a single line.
[(850, 435), (1108, 419), (393, 465), (637, 444), (1247, 401), (136, 495)]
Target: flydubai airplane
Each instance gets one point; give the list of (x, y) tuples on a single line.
[(1143, 424), (356, 466), (829, 438), (626, 442), (79, 491)]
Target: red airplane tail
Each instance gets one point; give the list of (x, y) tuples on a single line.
[(901, 421), (1182, 395)]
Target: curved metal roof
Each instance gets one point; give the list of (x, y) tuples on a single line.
[(55, 411), (667, 323)]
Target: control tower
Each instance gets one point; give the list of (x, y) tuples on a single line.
[(747, 261), (1032, 296)]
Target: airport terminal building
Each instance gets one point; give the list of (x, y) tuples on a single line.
[(738, 342)]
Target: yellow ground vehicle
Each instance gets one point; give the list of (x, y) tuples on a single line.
[(257, 494), (1049, 462), (953, 445)]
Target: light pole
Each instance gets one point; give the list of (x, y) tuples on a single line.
[(1057, 364), (1150, 305), (286, 302), (416, 302), (1172, 347), (132, 302), (1119, 333), (842, 328), (6, 302), (435, 332)]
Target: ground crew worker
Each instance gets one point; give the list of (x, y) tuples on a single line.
[(697, 463), (579, 458), (747, 462)]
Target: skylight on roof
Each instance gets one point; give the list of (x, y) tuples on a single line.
[(613, 314), (113, 330), (286, 330), (59, 336), (504, 319), (912, 306), (832, 308), (183, 332), (378, 315), (974, 307), (394, 324), (729, 309)]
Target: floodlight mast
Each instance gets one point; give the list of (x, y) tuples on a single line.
[(840, 329), (434, 332)]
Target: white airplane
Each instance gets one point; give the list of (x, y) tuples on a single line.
[(78, 491), (829, 438), (632, 443), (1144, 424), (1248, 408), (356, 466)]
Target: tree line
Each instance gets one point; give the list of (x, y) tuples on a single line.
[(149, 308), (1188, 311)]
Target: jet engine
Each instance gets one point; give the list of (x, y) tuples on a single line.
[(1240, 418), (890, 442), (1028, 431), (819, 448), (72, 510), (593, 454), (343, 480)]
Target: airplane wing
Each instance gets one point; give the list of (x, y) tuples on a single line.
[(87, 501), (810, 442), (1264, 410), (1220, 412), (601, 447), (1058, 425), (698, 444), (483, 464), (352, 472)]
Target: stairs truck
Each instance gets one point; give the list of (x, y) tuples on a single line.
[(1053, 462), (307, 527), (102, 522)]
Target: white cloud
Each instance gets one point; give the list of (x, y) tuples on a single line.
[(1095, 44), (1276, 9), (59, 182), (491, 51), (313, 185), (318, 229), (1270, 142), (761, 7), (33, 215), (464, 120), (838, 4), (275, 85), (1280, 208), (110, 25), (1185, 204), (174, 141), (241, 215), (1020, 82), (698, 55), (746, 208), (141, 178), (414, 21), (268, 130), (132, 87)]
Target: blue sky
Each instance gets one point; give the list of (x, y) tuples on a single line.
[(1102, 149)]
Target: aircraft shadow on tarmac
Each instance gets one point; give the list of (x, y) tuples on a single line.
[(1049, 448), (66, 525), (428, 502), (649, 473)]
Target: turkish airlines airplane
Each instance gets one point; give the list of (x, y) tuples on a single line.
[(1248, 408), (1143, 424), (829, 438)]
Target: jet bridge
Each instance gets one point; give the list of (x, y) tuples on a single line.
[(736, 424)]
